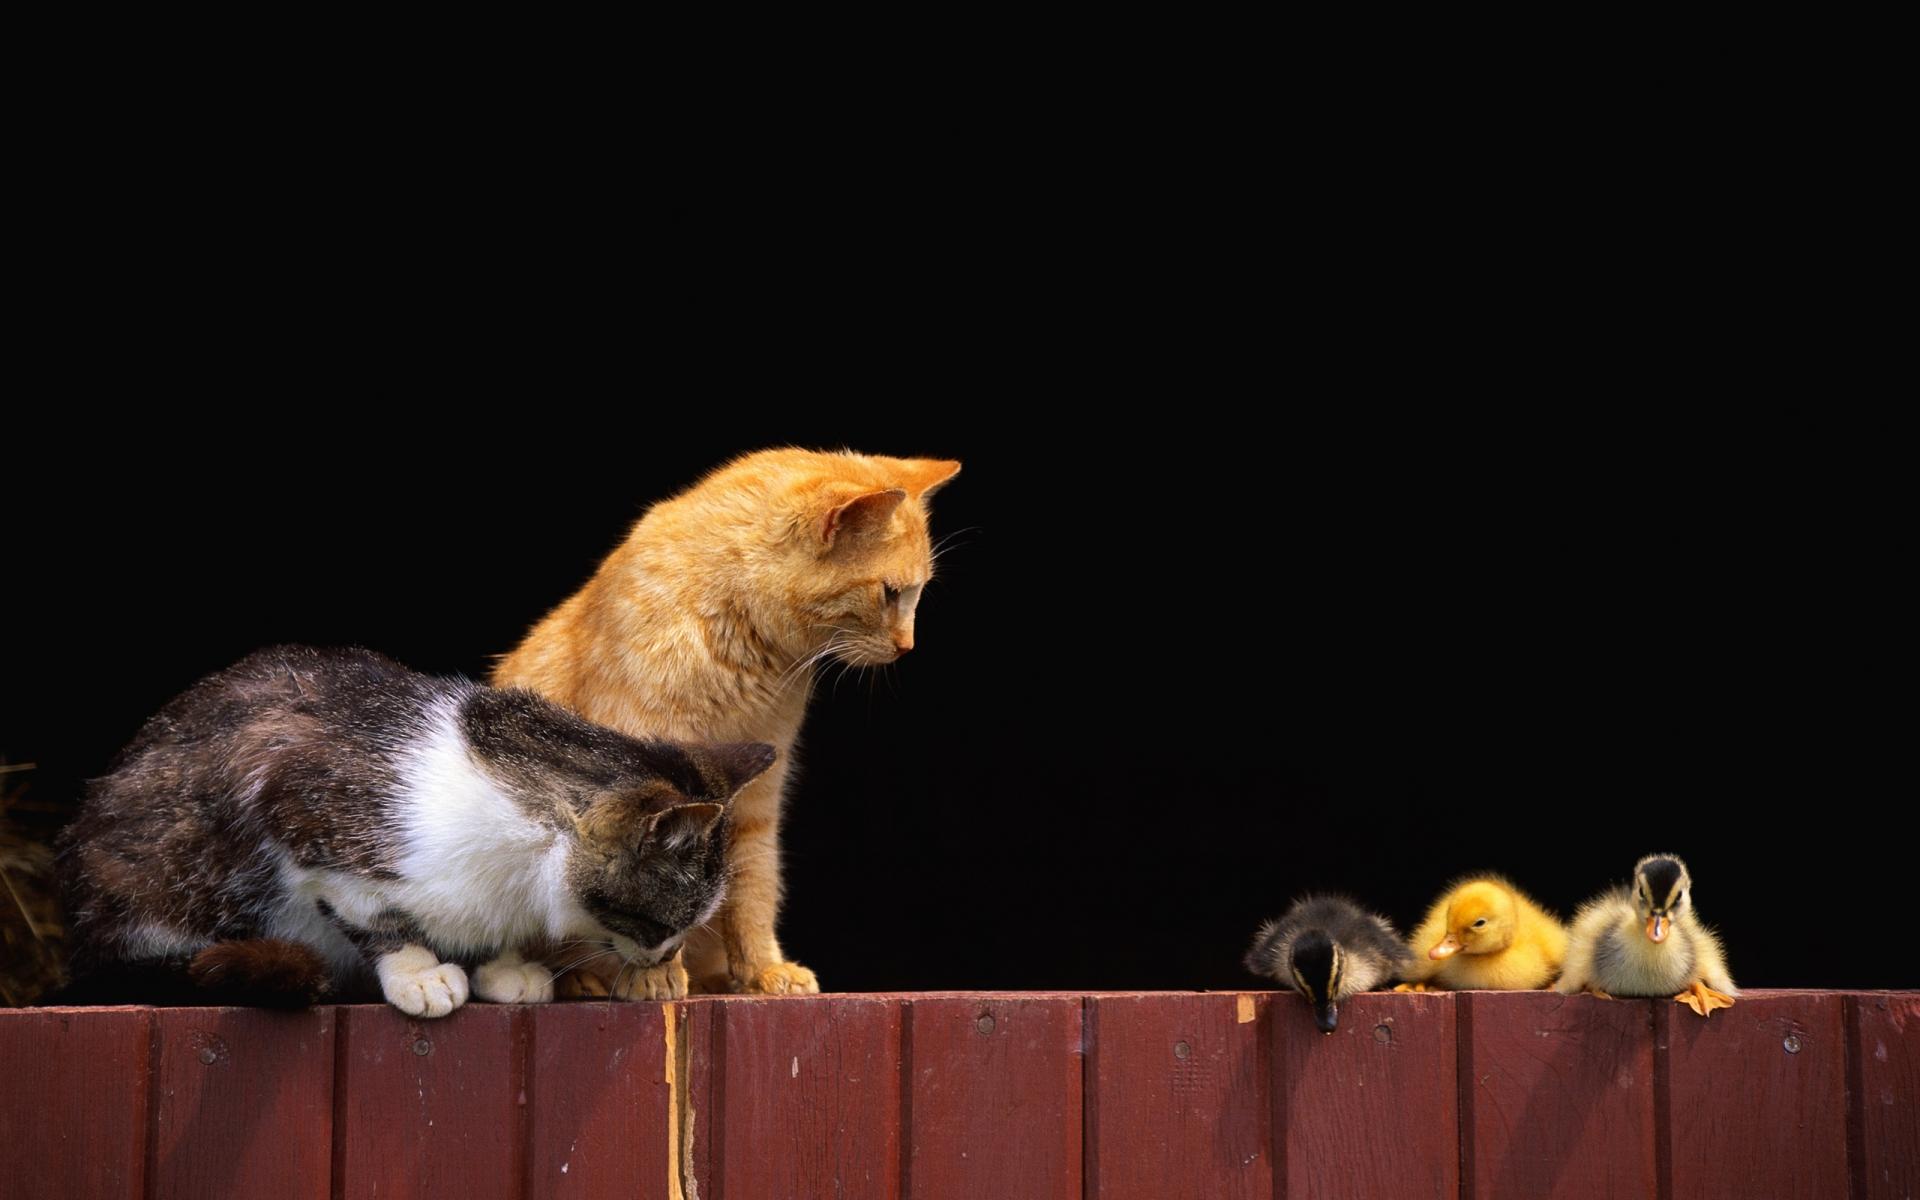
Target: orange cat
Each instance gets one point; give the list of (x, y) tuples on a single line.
[(707, 624)]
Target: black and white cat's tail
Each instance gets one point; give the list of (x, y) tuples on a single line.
[(257, 973)]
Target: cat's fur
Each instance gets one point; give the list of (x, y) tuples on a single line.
[(307, 821), (707, 623)]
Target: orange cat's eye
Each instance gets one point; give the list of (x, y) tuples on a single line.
[(890, 593)]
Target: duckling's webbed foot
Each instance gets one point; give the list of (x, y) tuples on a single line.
[(1703, 999), (1594, 991), (1412, 987)]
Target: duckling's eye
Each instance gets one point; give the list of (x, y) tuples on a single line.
[(1482, 921)]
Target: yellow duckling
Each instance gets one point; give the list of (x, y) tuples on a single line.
[(1648, 942), (1484, 933)]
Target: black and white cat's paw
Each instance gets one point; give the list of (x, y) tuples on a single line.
[(509, 980), (417, 983)]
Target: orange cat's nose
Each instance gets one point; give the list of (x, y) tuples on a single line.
[(903, 644)]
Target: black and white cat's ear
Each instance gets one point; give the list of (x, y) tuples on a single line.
[(685, 824), (742, 762), (861, 516)]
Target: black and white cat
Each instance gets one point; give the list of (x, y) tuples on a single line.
[(308, 820)]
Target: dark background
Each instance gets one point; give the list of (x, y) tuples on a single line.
[(1191, 651)]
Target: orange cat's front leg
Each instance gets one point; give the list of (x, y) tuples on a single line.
[(754, 960)]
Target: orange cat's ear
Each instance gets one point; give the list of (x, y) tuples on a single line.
[(860, 516), (925, 476)]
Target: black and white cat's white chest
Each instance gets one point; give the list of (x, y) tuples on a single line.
[(471, 869)]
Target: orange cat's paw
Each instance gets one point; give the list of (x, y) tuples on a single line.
[(782, 979), (668, 981), (581, 984)]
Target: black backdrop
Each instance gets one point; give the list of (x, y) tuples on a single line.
[(1177, 667)]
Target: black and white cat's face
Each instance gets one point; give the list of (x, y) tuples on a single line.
[(652, 860)]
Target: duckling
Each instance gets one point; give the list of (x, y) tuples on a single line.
[(1648, 942), (1484, 933), (1328, 948)]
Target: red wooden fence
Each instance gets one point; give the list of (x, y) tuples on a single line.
[(993, 1096)]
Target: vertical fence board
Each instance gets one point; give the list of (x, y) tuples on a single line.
[(73, 1103), (429, 1108), (994, 1098), (1561, 1089), (1886, 1056), (1181, 1108), (243, 1103), (1757, 1103), (1371, 1109), (600, 1087), (697, 1031), (806, 1097)]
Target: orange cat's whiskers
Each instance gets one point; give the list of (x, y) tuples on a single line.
[(940, 547), (841, 640)]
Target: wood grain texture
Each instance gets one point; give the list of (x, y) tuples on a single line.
[(1371, 1109), (599, 1093), (73, 1102), (243, 1103), (697, 1033), (805, 1098), (994, 1098), (1886, 1094), (430, 1108), (1757, 1100), (1561, 1096), (1181, 1107)]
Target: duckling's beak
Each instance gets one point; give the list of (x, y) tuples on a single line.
[(1658, 927), (1327, 1017), (1448, 945)]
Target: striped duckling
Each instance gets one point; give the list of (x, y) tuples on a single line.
[(1328, 949), (1647, 941)]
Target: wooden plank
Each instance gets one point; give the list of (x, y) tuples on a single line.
[(1757, 1097), (73, 1102), (697, 1037), (1179, 1106), (1559, 1091), (243, 1103), (429, 1107), (599, 1101), (1886, 1093), (806, 1099), (994, 1098), (1372, 1108)]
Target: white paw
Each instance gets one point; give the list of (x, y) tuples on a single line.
[(510, 981), (418, 984)]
